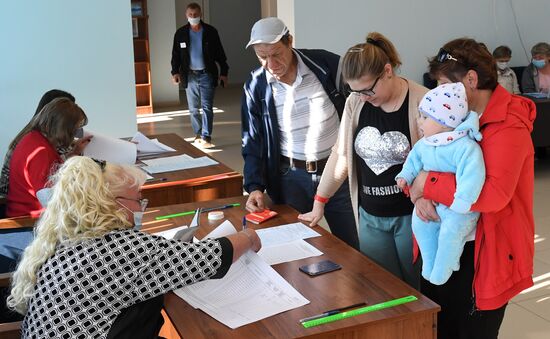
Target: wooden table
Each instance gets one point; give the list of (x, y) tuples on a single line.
[(195, 184), (359, 280)]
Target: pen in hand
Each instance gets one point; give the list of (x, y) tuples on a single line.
[(244, 223)]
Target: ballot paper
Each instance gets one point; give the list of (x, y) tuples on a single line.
[(295, 250), (250, 291), (285, 234), (285, 243), (111, 149), (176, 163), (150, 146)]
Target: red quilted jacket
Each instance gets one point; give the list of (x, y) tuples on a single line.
[(504, 244)]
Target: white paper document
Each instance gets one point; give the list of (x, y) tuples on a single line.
[(295, 250), (146, 145), (285, 233), (176, 163), (249, 292), (285, 243), (115, 150), (223, 230)]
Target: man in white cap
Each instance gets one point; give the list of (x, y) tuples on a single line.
[(290, 116), (196, 51)]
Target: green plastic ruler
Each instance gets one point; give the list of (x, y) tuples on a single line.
[(358, 311)]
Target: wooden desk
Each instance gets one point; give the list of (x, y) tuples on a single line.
[(541, 126), (359, 280), (195, 184)]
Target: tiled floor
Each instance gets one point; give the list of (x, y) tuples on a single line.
[(527, 316)]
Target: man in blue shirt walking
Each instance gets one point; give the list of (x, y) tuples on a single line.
[(196, 51)]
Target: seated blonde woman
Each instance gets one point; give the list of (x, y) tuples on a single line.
[(89, 273)]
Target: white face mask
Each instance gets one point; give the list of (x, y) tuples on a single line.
[(502, 65), (194, 21), (137, 215), (138, 218)]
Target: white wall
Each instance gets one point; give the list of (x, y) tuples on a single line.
[(418, 28), (84, 47), (162, 26)]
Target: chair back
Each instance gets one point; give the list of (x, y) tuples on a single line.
[(519, 73), (11, 329)]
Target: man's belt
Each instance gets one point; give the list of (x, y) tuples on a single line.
[(309, 166), (202, 71)]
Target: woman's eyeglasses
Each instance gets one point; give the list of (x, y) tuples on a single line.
[(142, 202), (443, 56), (368, 92), (100, 163)]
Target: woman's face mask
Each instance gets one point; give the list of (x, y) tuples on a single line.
[(137, 215), (539, 63)]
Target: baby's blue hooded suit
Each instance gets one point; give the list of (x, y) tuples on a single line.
[(441, 243)]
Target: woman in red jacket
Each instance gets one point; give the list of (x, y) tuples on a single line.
[(36, 157), (497, 263)]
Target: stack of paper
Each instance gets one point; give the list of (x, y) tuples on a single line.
[(176, 163), (115, 150), (285, 243), (146, 146), (250, 291)]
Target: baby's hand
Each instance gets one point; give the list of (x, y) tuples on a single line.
[(401, 183)]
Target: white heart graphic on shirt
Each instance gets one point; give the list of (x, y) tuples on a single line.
[(380, 152)]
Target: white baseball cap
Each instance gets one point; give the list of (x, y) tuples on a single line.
[(267, 31)]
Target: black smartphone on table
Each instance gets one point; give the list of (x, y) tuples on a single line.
[(320, 267)]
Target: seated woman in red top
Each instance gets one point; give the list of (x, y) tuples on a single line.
[(35, 157), (497, 263)]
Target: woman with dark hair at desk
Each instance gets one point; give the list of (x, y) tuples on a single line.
[(46, 99), (497, 261), (35, 156), (89, 273)]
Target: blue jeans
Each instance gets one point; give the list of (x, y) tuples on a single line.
[(298, 188), (200, 94), (388, 242)]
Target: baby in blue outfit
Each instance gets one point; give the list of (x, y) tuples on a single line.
[(449, 145)]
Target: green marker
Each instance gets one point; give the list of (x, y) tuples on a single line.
[(358, 311), (175, 215)]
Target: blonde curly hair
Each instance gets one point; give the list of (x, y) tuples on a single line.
[(82, 206)]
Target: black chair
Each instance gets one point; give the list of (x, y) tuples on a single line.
[(519, 73), (428, 82)]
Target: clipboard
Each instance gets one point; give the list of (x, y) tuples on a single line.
[(187, 234)]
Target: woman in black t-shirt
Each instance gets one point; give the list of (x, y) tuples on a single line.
[(378, 128)]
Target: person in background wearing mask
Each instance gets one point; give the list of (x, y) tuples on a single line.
[(93, 273), (506, 76), (536, 76), (197, 48)]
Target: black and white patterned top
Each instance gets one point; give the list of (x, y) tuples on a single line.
[(82, 289)]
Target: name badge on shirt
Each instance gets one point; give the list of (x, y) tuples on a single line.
[(183, 45)]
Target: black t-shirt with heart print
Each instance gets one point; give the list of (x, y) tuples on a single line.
[(381, 144)]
